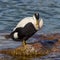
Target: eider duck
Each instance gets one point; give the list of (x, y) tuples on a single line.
[(26, 28)]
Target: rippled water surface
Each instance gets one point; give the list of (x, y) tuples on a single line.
[(12, 11)]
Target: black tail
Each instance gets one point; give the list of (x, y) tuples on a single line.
[(7, 36)]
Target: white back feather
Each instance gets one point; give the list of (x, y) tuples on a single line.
[(26, 20)]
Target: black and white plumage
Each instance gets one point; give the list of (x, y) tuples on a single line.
[(26, 28), (23, 33)]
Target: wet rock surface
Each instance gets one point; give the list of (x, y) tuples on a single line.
[(35, 49)]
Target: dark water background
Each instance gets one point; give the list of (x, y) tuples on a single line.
[(12, 11)]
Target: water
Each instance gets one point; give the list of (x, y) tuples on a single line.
[(12, 11)]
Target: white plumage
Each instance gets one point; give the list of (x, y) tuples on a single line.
[(40, 23), (26, 20), (15, 35)]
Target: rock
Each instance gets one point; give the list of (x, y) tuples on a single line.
[(28, 50), (35, 49)]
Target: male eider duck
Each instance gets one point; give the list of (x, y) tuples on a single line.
[(26, 28)]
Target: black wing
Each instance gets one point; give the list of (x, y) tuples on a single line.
[(29, 29)]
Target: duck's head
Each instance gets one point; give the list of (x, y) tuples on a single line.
[(39, 21)]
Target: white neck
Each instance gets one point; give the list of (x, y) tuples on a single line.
[(35, 22), (40, 23)]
